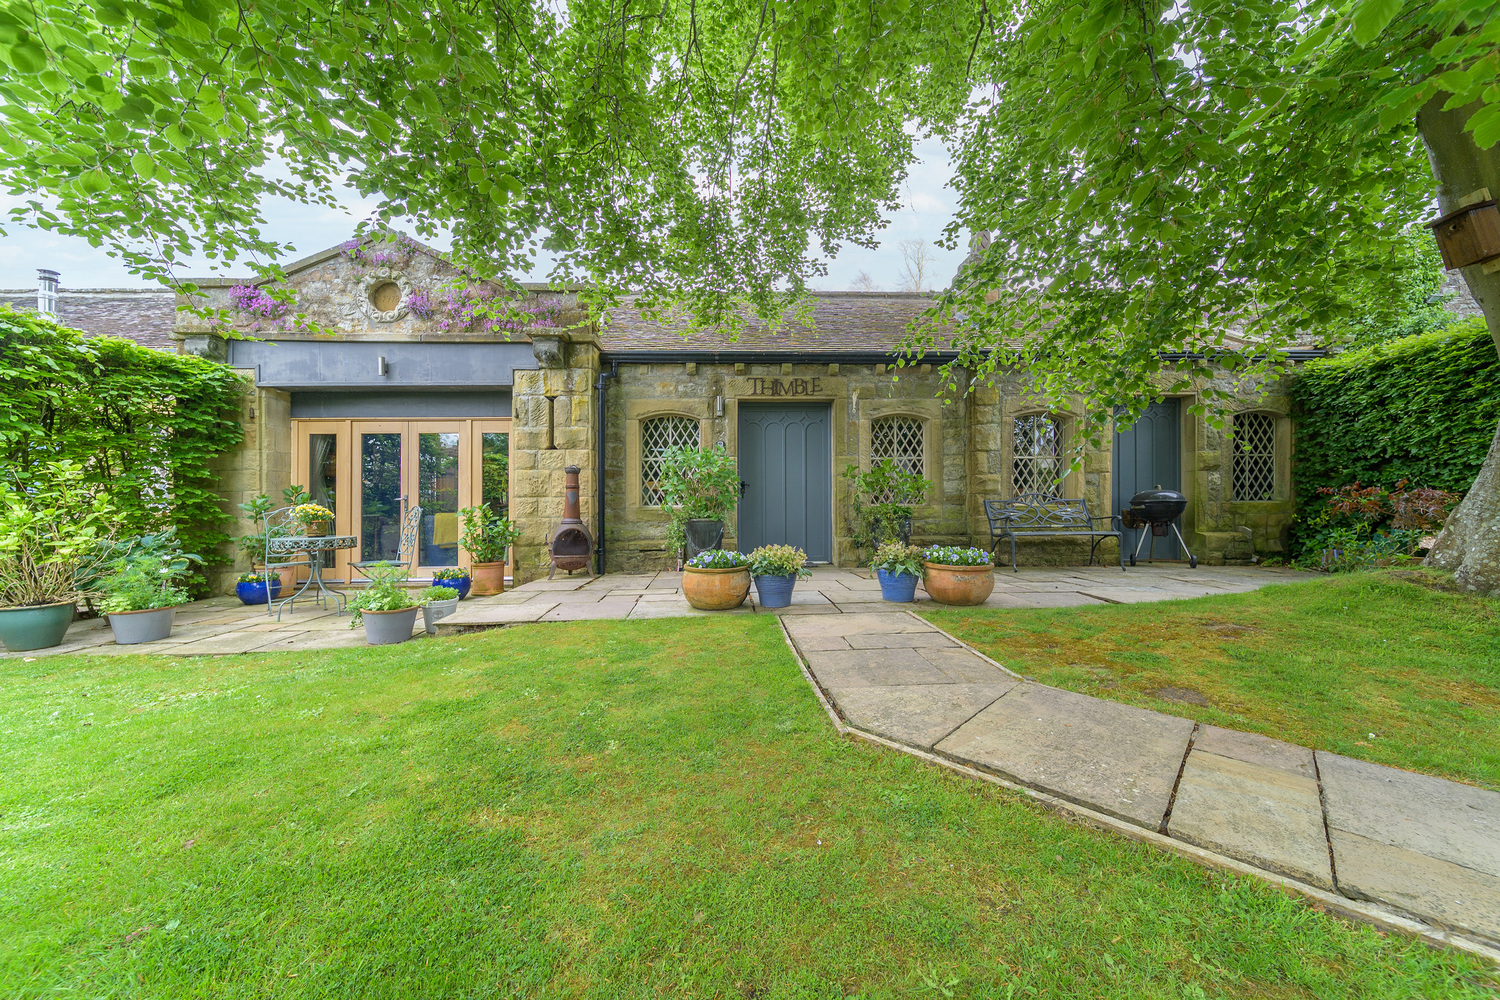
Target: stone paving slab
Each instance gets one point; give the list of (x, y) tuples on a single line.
[(860, 624), (899, 640), (480, 616), (1253, 748), (1265, 816), (858, 668), (1449, 894), (1413, 812), (609, 607), (918, 715), (1116, 758)]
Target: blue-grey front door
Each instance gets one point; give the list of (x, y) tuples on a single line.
[(1148, 454), (786, 464)]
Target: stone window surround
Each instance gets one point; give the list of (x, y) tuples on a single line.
[(928, 412), (1072, 483), (638, 410), (1281, 491)]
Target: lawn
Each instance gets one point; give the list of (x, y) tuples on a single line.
[(1380, 666), (610, 809)]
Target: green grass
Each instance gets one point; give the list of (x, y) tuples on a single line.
[(1380, 666), (611, 809)]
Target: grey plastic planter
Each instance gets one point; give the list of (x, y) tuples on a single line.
[(131, 627), (41, 626), (382, 628), (437, 609)]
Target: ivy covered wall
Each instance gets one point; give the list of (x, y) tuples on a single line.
[(146, 424), (1420, 408)]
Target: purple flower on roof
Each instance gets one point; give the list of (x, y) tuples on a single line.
[(255, 301)]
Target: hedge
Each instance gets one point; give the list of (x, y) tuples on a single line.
[(144, 423), (1420, 408)]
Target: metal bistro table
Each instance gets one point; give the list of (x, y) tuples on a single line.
[(314, 546)]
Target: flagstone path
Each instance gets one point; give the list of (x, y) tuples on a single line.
[(1428, 847)]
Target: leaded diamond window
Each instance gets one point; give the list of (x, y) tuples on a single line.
[(658, 435), (900, 440), (1254, 456), (1036, 455)]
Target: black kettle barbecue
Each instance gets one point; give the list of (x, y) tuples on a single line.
[(1158, 510)]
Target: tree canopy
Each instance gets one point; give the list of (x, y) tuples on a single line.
[(1158, 178)]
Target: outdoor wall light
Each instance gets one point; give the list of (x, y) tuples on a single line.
[(718, 406), (385, 369)]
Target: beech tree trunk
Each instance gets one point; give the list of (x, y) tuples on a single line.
[(1469, 544)]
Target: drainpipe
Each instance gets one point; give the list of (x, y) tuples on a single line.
[(602, 385)]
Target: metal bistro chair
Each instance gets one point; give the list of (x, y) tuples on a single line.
[(282, 523), (406, 547)]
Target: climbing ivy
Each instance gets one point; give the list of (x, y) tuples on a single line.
[(146, 424), (1420, 408)]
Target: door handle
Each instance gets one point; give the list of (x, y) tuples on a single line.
[(743, 487)]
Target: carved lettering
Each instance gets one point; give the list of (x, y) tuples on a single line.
[(786, 387)]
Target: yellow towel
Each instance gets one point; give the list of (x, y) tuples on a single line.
[(445, 530)]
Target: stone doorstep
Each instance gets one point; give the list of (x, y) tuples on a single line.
[(1264, 816), (1115, 758)]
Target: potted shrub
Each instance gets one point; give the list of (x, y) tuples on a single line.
[(776, 569), (456, 578), (956, 575), (881, 501), (250, 588), (716, 580), (898, 568), (700, 488), (486, 537), (384, 607), (144, 584), (314, 518), (51, 529), (437, 602)]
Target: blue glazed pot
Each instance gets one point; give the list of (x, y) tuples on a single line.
[(774, 591), (254, 592), (458, 583), (900, 587)]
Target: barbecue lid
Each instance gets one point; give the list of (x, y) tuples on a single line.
[(1157, 495)]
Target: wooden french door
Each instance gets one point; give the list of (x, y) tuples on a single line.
[(371, 472)]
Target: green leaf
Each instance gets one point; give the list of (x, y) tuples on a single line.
[(143, 164), (1370, 17)]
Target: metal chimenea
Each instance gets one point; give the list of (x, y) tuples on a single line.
[(571, 544)]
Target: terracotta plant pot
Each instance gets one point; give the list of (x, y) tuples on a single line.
[(315, 529), (487, 578), (961, 586), (716, 589)]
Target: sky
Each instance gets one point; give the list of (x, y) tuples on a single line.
[(927, 205)]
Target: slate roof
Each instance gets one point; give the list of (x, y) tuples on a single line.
[(842, 322), (143, 315)]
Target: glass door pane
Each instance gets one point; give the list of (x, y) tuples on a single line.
[(437, 495), (322, 479), (494, 459), (381, 496)]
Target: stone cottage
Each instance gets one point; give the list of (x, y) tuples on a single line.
[(412, 400)]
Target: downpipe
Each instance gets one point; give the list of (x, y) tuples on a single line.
[(602, 385)]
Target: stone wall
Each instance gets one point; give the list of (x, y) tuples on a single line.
[(553, 425), (261, 464), (856, 394)]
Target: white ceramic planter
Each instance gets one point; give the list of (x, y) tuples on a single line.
[(131, 627)]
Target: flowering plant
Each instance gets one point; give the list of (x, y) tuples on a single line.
[(779, 560), (450, 573), (718, 559), (256, 301), (437, 594), (895, 558), (484, 308), (954, 555), (310, 512)]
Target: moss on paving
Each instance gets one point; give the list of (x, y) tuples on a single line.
[(1387, 667), (601, 809)]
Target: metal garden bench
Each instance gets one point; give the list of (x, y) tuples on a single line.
[(1041, 515)]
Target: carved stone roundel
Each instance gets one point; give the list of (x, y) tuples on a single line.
[(374, 293)]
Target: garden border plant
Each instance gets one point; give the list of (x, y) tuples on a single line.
[(881, 501), (145, 425), (698, 484)]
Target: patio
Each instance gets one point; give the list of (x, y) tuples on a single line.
[(222, 625)]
